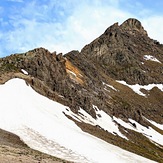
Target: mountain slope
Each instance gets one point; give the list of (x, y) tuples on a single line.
[(122, 50), (112, 89), (13, 150), (42, 125)]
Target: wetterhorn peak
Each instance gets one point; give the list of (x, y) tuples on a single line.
[(132, 24)]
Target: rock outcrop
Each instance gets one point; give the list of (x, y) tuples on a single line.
[(132, 25), (120, 51)]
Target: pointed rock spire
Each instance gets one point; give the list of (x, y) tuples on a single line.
[(133, 24)]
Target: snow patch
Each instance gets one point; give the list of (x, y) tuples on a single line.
[(103, 120), (149, 132), (110, 86), (107, 123), (151, 58), (24, 71), (160, 126), (136, 88), (72, 73)]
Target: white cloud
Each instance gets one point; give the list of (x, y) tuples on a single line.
[(82, 25), (153, 26), (1, 9), (66, 26), (16, 0), (88, 22)]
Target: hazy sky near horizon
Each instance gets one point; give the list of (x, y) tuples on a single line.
[(68, 25)]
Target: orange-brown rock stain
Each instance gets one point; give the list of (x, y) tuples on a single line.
[(74, 73)]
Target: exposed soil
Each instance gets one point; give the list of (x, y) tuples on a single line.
[(13, 150)]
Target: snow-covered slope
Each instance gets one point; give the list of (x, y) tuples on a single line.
[(137, 88), (42, 125)]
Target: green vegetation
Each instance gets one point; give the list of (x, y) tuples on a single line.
[(9, 64), (8, 67)]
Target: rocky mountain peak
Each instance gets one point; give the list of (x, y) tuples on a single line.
[(133, 25), (121, 50), (112, 27)]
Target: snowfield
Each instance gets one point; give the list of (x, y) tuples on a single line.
[(149, 132), (136, 88), (160, 126), (151, 58), (42, 125)]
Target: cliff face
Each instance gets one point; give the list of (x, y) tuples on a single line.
[(91, 77), (121, 52)]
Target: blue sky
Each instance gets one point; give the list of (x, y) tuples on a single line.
[(66, 25)]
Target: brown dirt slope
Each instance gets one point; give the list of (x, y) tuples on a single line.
[(13, 150)]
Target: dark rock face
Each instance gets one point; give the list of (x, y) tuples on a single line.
[(133, 24), (43, 65), (120, 52)]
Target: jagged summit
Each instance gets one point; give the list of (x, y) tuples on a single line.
[(130, 26), (120, 51), (133, 24)]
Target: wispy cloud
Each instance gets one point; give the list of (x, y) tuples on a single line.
[(153, 26), (16, 0), (65, 26)]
